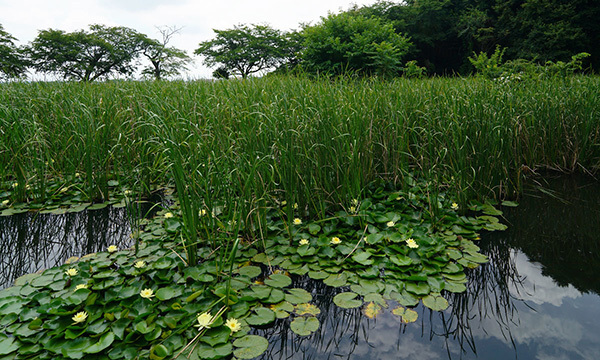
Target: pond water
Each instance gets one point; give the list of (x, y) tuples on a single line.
[(32, 241), (537, 298)]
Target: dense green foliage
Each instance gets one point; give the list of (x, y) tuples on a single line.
[(314, 142), (165, 61), (245, 49), (349, 42), (86, 55), (446, 32), (12, 64)]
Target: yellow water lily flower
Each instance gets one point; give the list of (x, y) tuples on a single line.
[(304, 242), (112, 249), (168, 215), (390, 223), (80, 317), (297, 221), (147, 293), (14, 185), (454, 206), (412, 243), (355, 202), (81, 286), (295, 206), (202, 212), (233, 325), (204, 320), (5, 202), (72, 272), (139, 264), (352, 209), (335, 240)]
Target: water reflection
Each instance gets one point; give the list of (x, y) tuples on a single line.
[(537, 298), (30, 242)]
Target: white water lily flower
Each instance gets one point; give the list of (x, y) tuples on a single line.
[(80, 317)]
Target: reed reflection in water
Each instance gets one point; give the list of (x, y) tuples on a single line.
[(537, 298), (30, 242)]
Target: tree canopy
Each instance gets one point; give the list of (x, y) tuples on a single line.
[(165, 61), (245, 49), (12, 61), (353, 42), (86, 55)]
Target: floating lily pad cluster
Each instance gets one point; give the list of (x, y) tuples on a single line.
[(58, 197), (151, 304)]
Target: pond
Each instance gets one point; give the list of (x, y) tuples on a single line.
[(537, 298)]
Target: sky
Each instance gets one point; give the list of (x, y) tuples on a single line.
[(196, 18)]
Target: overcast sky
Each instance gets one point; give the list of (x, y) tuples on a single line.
[(23, 18)]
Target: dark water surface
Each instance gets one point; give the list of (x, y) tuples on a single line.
[(30, 242), (537, 298)]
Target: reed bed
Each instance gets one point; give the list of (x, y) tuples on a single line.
[(237, 145)]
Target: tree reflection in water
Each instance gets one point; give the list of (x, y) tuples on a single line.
[(534, 299), (30, 242)]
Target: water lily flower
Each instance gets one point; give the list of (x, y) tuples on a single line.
[(147, 293), (14, 185), (202, 212), (168, 215), (297, 221), (352, 209), (295, 206), (80, 317), (72, 272), (233, 325), (412, 243), (390, 223), (5, 202), (355, 202), (335, 240), (81, 286), (304, 242), (127, 192), (139, 264), (204, 320), (112, 249), (454, 206), (77, 174)]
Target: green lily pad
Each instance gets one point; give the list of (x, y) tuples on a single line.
[(298, 296), (347, 300), (278, 281), (418, 288), (318, 275), (455, 287), (282, 310), (261, 316), (336, 280), (205, 351), (435, 302), (250, 271), (250, 346), (105, 341), (362, 257), (304, 326)]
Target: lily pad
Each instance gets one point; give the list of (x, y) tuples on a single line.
[(250, 271), (336, 280), (372, 310), (278, 281), (347, 300), (217, 352), (250, 346), (307, 309), (407, 315), (298, 296), (435, 302), (262, 316), (304, 326)]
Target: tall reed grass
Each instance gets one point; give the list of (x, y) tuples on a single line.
[(312, 142)]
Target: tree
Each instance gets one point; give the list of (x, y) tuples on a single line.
[(164, 61), (12, 62), (245, 49), (353, 42), (86, 56)]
